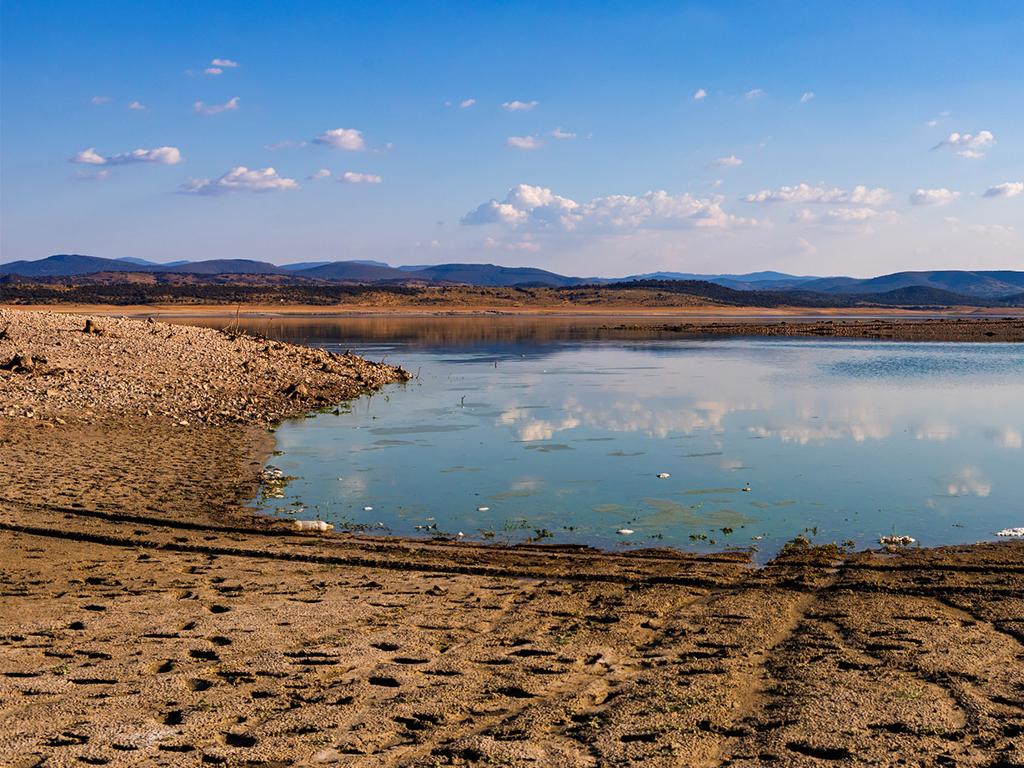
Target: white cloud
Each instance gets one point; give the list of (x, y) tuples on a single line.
[(158, 155), (969, 145), (213, 71), (936, 120), (98, 101), (323, 173), (466, 103), (728, 162), (519, 106), (89, 157), (539, 208), (754, 93), (940, 196), (558, 133), (342, 138), (807, 96), (215, 109), (225, 63), (137, 106), (240, 179), (805, 193), (351, 177), (1006, 189), (524, 142), (700, 94)]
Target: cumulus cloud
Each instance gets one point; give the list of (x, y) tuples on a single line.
[(1006, 189), (137, 106), (540, 208), (969, 145), (519, 106), (342, 138), (753, 93), (558, 133), (806, 96), (940, 196), (524, 142), (700, 94), (240, 179), (466, 103), (351, 177), (215, 109), (158, 156), (806, 193), (728, 162), (213, 71), (323, 173)]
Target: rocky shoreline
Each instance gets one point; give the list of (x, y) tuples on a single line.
[(72, 367), (147, 616)]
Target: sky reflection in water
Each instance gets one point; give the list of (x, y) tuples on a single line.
[(565, 440)]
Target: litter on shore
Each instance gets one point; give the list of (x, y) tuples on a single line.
[(312, 525), (1010, 532), (896, 541)]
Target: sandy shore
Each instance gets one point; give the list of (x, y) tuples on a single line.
[(148, 618)]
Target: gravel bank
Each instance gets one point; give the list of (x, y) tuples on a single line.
[(52, 369)]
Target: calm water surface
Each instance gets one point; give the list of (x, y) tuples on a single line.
[(517, 432)]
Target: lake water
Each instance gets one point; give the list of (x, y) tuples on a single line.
[(521, 430)]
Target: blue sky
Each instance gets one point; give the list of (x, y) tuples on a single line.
[(587, 138)]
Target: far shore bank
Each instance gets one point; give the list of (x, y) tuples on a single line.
[(174, 310)]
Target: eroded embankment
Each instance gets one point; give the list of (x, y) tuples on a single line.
[(146, 616)]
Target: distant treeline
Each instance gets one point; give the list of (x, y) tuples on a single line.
[(274, 289), (125, 293)]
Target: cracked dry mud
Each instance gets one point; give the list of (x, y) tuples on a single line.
[(147, 618)]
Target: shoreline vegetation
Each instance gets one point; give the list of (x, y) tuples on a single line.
[(148, 615)]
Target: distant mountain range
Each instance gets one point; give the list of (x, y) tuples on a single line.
[(945, 284)]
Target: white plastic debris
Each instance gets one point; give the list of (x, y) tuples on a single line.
[(899, 541), (460, 535), (1010, 532), (625, 531), (367, 509), (664, 475), (483, 509), (312, 525)]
